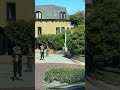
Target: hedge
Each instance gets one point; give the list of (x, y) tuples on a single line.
[(65, 75)]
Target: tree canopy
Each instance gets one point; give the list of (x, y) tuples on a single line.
[(21, 32), (103, 32), (77, 18)]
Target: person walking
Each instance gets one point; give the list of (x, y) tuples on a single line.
[(30, 57), (47, 51), (17, 63), (42, 52)]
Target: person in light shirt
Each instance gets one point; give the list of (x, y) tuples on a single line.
[(42, 52), (17, 63)]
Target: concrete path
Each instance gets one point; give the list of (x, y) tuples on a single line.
[(34, 79), (53, 58), (99, 85), (52, 61), (6, 72), (41, 68)]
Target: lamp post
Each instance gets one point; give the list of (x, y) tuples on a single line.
[(65, 45)]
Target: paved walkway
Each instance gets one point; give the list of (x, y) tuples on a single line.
[(40, 72), (53, 58), (5, 82), (34, 78)]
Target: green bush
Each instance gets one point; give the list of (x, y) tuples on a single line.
[(21, 32), (76, 40), (46, 39), (65, 75)]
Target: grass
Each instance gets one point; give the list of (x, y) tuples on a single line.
[(79, 58), (108, 77)]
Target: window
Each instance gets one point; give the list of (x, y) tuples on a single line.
[(11, 11), (60, 15), (63, 15), (67, 28), (62, 28), (57, 30), (38, 15), (39, 31)]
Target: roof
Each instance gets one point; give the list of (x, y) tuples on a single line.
[(51, 11)]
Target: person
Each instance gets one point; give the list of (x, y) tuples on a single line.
[(30, 57), (72, 52), (42, 52), (17, 63), (47, 51)]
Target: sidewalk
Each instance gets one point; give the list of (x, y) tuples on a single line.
[(52, 61), (5, 82), (55, 58), (92, 84)]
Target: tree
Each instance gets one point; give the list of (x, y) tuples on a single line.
[(103, 32), (46, 39), (21, 32), (76, 40), (54, 41), (78, 18)]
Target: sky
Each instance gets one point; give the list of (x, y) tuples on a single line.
[(72, 6)]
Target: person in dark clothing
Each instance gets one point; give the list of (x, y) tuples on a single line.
[(42, 52), (30, 57), (17, 63)]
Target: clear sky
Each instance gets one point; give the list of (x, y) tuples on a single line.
[(72, 6)]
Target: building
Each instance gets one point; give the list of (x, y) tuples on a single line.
[(12, 10), (90, 4), (51, 19)]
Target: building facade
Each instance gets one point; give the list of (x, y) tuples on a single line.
[(16, 9), (51, 19), (12, 10)]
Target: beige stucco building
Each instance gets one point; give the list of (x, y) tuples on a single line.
[(13, 10), (16, 9), (51, 19), (50, 27)]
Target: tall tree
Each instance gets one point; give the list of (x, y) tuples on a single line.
[(103, 32), (21, 32), (77, 18)]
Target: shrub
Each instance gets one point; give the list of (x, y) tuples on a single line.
[(20, 32), (65, 75), (76, 40)]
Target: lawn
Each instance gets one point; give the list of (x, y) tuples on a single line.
[(8, 59), (80, 58), (108, 77)]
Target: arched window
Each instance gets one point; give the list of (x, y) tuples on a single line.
[(38, 14), (63, 15), (60, 14)]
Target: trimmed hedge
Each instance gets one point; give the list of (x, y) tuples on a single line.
[(65, 75)]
